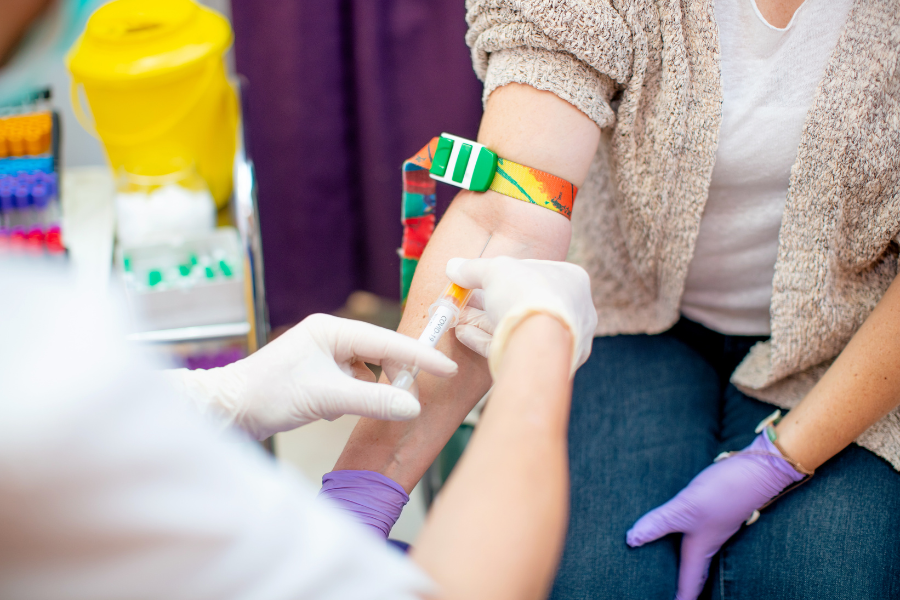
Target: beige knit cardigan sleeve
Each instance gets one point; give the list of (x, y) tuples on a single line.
[(579, 50), (639, 211)]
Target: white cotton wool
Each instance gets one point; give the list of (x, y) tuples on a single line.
[(170, 211)]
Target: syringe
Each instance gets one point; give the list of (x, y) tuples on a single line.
[(442, 315)]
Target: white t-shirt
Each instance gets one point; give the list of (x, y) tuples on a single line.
[(769, 78), (111, 487)]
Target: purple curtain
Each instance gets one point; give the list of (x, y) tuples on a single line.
[(340, 93)]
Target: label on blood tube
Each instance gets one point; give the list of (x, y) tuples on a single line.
[(438, 324)]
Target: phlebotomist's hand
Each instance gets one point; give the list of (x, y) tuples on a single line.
[(713, 507), (314, 371), (508, 290)]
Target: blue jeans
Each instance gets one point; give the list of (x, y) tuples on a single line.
[(648, 414)]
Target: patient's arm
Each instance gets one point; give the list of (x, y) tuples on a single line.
[(527, 126), (857, 390)]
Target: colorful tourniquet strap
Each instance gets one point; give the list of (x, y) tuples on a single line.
[(468, 165)]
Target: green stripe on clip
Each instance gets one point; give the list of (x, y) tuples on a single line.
[(462, 162), (441, 156)]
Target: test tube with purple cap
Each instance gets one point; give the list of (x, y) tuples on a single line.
[(22, 217), (6, 202), (52, 210)]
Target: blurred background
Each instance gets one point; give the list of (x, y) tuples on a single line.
[(333, 96), (341, 92)]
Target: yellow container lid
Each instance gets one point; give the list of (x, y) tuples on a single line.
[(127, 41)]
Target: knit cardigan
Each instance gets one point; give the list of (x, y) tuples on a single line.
[(647, 73)]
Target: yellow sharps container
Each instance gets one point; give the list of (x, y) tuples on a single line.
[(154, 77)]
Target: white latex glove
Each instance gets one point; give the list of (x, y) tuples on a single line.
[(313, 371), (513, 289)]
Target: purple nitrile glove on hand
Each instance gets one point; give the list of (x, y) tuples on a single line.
[(370, 497), (713, 507)]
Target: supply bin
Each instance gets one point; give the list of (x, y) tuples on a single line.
[(154, 79)]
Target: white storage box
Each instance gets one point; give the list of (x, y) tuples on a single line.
[(192, 282)]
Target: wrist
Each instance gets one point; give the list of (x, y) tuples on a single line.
[(533, 382), (538, 330), (789, 439), (789, 468), (546, 325), (372, 498)]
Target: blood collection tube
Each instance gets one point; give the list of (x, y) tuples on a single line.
[(53, 212), (41, 217), (49, 180), (22, 215), (17, 237), (40, 200), (6, 204), (53, 240), (15, 138), (442, 315), (33, 141)]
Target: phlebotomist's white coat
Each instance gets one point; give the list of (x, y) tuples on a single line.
[(110, 487)]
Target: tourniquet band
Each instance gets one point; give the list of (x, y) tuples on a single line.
[(471, 166)]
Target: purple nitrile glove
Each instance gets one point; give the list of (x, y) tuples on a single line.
[(713, 507), (372, 498)]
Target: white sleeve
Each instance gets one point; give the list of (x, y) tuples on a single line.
[(112, 488)]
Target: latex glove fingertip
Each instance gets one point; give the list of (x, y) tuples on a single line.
[(437, 363), (652, 526), (404, 406), (633, 539), (449, 367), (453, 266)]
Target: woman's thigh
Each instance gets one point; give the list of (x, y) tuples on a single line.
[(836, 536), (644, 422)]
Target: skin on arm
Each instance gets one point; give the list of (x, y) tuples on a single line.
[(525, 125), (498, 527), (860, 388)]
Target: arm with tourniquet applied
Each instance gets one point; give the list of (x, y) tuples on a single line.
[(528, 126)]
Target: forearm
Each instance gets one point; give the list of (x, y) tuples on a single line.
[(498, 527), (533, 128), (404, 450), (860, 388)]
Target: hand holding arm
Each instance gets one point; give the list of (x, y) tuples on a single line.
[(513, 291), (314, 371), (498, 529), (509, 291), (531, 127)]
